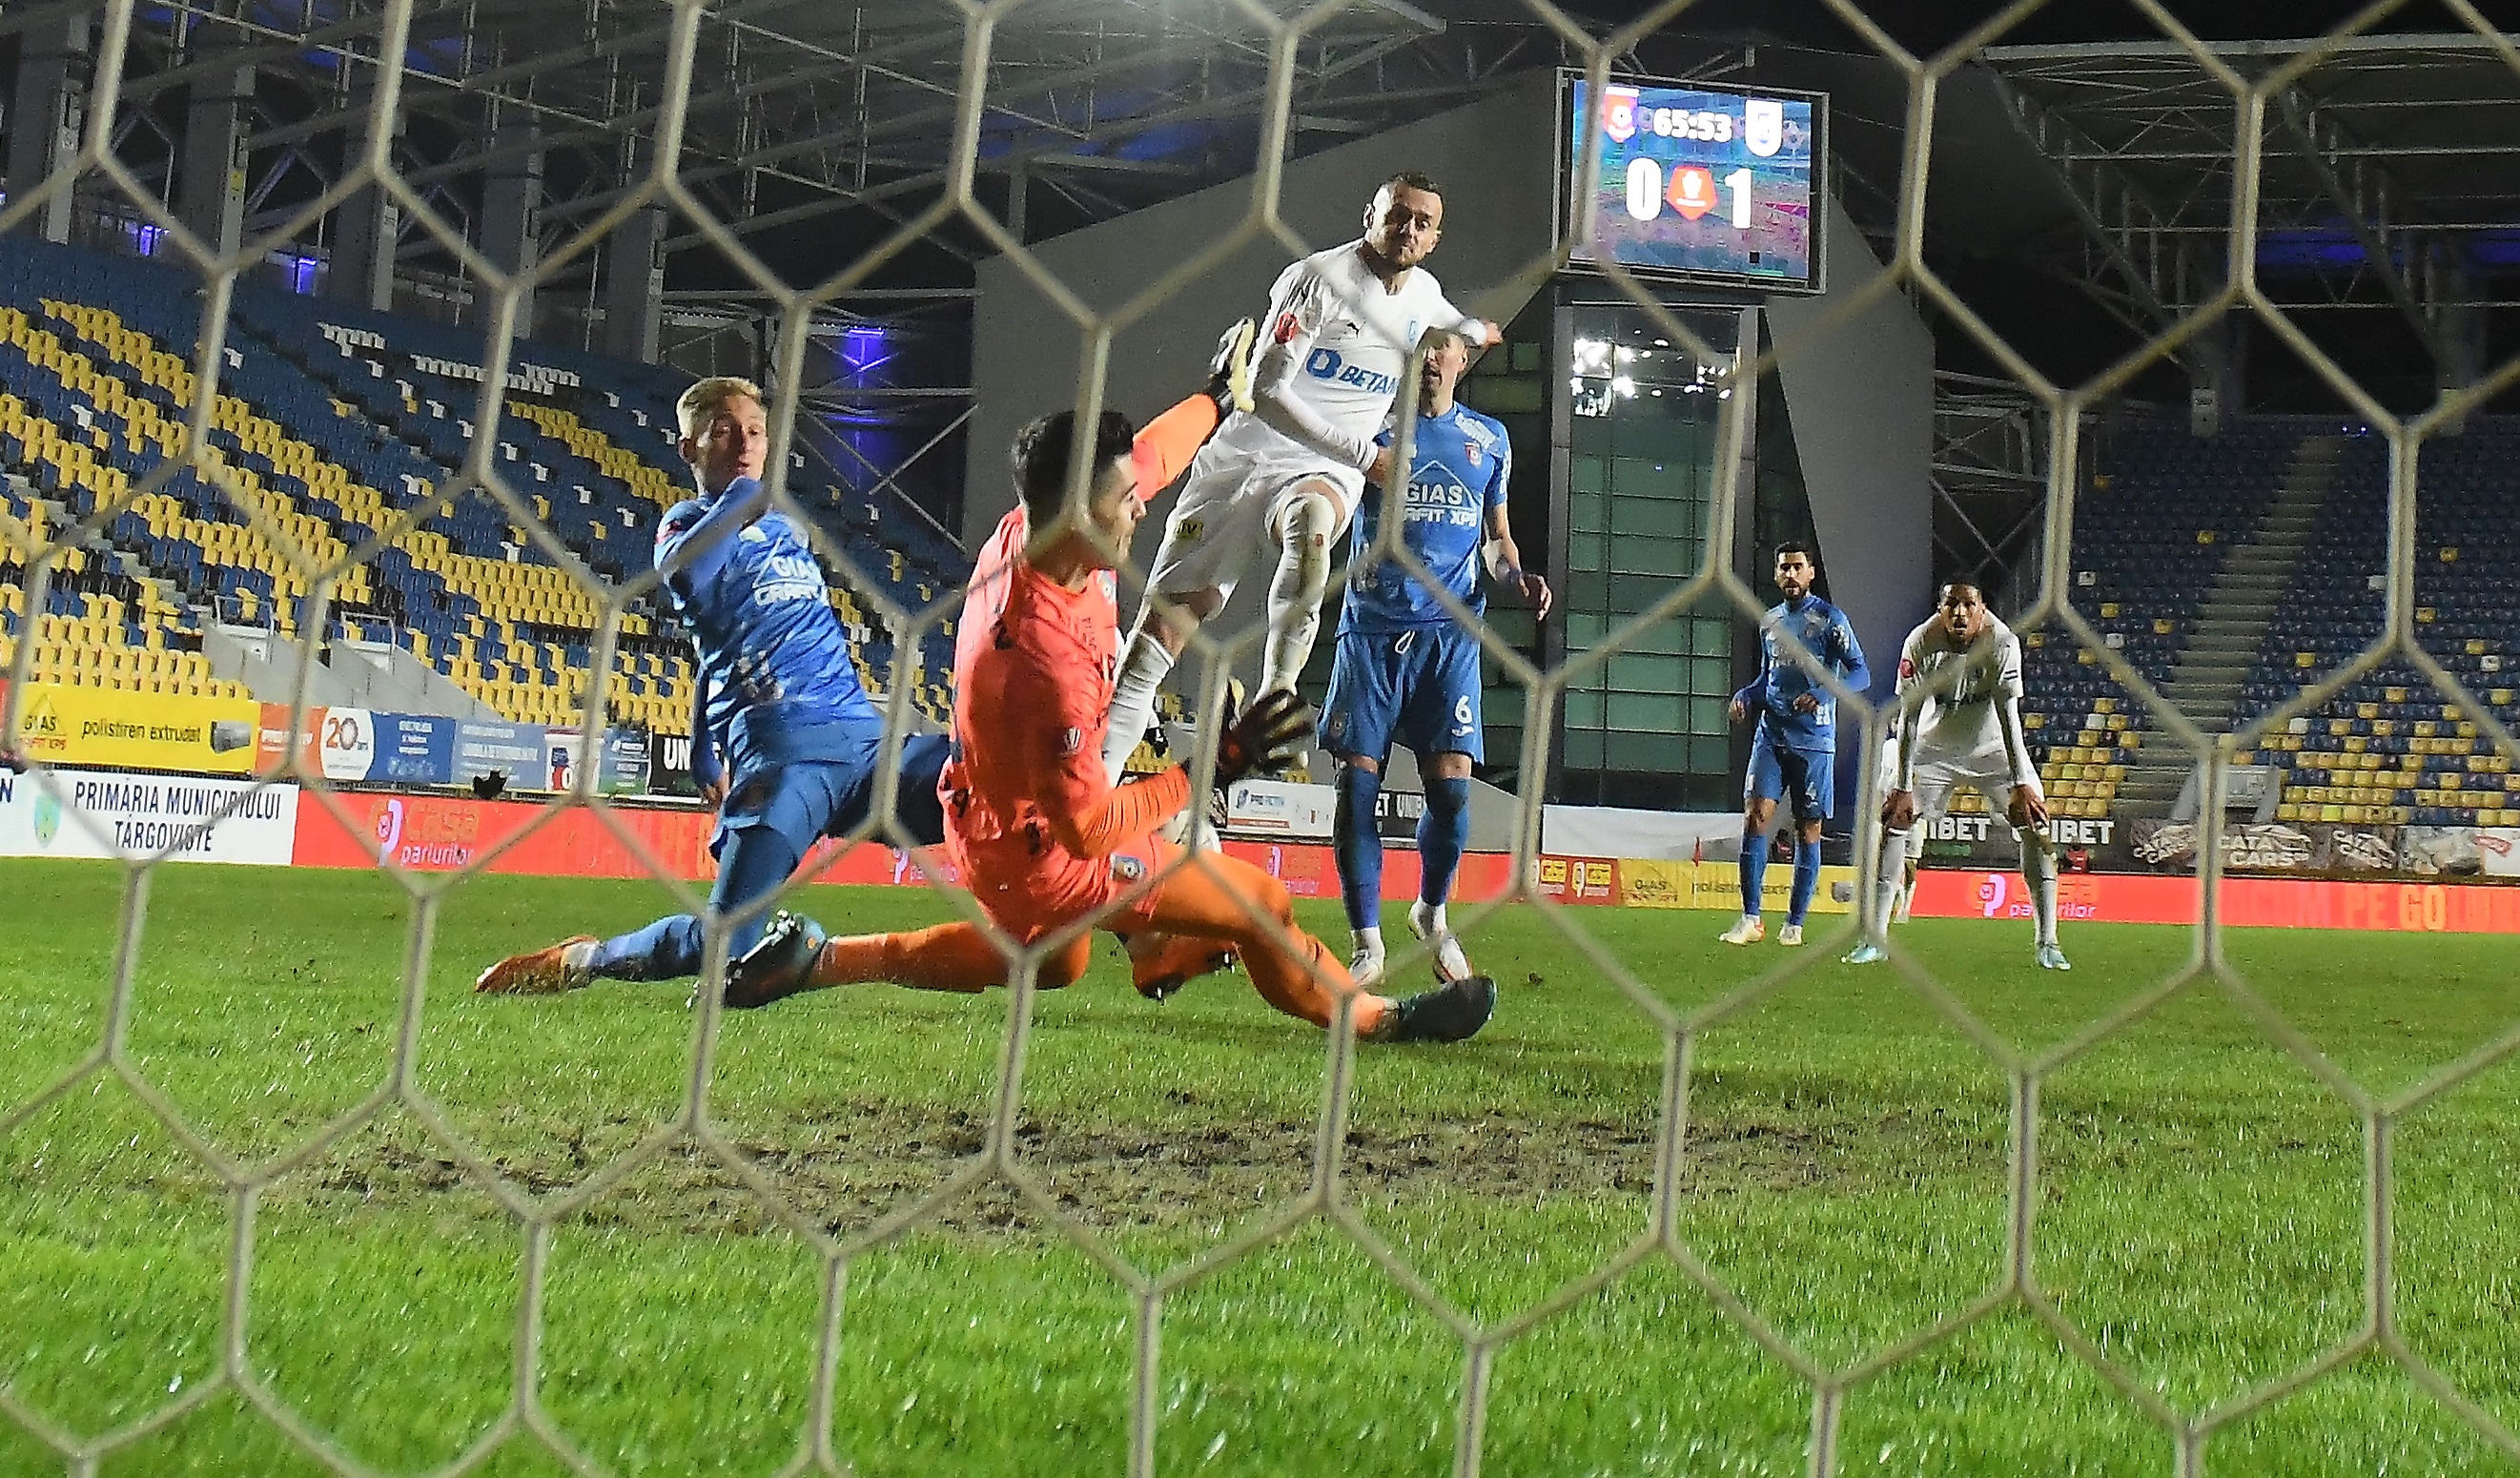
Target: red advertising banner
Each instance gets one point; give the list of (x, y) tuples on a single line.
[(2277, 903), (442, 833)]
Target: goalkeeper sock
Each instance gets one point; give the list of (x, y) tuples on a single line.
[(1133, 701), (1754, 873), (1806, 880), (952, 956), (1359, 843), (2039, 869), (1443, 835)]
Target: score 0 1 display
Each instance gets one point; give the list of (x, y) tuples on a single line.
[(1702, 184)]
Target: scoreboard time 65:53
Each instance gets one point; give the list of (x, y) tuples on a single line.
[(1702, 183)]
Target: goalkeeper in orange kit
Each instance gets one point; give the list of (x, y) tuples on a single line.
[(1039, 834)]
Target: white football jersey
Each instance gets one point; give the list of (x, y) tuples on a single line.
[(1975, 714), (1350, 339)]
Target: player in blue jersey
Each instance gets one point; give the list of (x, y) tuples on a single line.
[(776, 692), (1406, 669), (1793, 750)]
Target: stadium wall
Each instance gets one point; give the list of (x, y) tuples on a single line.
[(1860, 387)]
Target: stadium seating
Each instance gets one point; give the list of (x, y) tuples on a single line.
[(322, 444), (2391, 748), (2161, 516)]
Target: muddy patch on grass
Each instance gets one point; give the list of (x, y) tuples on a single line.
[(845, 1171)]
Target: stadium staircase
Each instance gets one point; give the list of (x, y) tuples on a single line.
[(2206, 678)]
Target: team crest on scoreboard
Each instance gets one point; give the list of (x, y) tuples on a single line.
[(1763, 126), (1619, 114)]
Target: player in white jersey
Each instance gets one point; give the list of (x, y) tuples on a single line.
[(1966, 732), (1286, 476)]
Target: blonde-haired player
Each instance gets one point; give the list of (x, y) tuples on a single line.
[(1966, 732)]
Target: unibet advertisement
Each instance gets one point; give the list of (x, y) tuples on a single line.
[(132, 730), (81, 813)]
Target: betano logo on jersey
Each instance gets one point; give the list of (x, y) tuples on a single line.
[(1326, 364)]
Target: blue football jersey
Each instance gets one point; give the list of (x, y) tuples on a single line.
[(773, 657), (1825, 631), (1459, 476)]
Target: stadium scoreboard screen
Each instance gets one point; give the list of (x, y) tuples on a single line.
[(1700, 184)]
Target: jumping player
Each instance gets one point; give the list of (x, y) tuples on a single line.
[(1342, 325), (1793, 750), (1406, 670), (1040, 836), (1966, 731), (777, 689)]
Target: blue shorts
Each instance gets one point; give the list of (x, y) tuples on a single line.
[(1808, 775), (1420, 687), (805, 800)]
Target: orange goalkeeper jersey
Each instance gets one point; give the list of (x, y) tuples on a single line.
[(1029, 816)]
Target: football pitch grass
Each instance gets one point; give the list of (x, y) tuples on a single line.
[(2201, 1208)]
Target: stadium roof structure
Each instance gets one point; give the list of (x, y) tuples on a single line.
[(2079, 198)]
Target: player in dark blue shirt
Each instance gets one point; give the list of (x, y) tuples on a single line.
[(783, 737), (1794, 748), (1406, 669)]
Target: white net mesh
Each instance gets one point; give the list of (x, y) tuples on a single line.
[(698, 1169)]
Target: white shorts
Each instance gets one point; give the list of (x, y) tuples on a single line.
[(1937, 775), (1229, 502)]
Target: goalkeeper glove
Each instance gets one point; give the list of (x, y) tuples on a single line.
[(1269, 733)]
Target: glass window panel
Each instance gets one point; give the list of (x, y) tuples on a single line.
[(1585, 513), (1639, 554), (1713, 637), (1586, 474), (1710, 715), (1587, 551), (1710, 754), (1648, 674), (1661, 517), (1633, 592), (1581, 631), (1642, 477), (1713, 674), (1526, 355), (1584, 750), (1583, 710), (1657, 753), (1662, 637), (1644, 711)]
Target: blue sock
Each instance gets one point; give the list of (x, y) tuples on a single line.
[(1806, 878), (1443, 835), (1754, 872), (666, 949), (1360, 846)]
